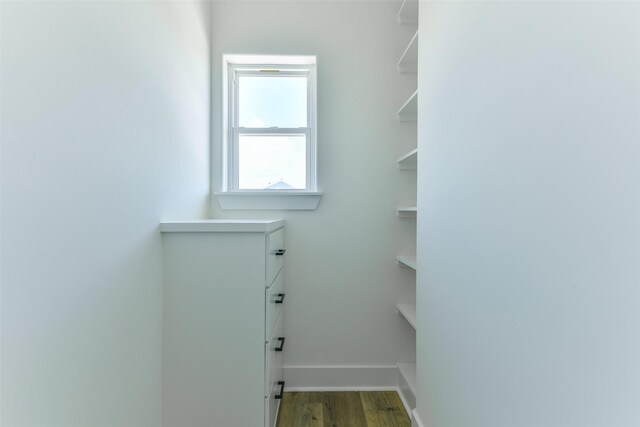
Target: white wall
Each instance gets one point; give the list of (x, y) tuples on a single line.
[(105, 131), (529, 238), (1, 275), (342, 279)]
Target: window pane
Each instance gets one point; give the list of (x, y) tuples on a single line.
[(272, 101), (274, 162)]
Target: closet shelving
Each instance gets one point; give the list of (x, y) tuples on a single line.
[(407, 211), (408, 62), (406, 261), (408, 311), (408, 13), (409, 110), (408, 162)]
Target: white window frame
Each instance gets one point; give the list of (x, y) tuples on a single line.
[(231, 196)]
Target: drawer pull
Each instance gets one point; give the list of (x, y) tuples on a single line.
[(280, 299), (281, 394), (279, 252), (281, 348)]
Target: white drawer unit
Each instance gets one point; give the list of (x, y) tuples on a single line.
[(275, 255), (274, 383), (273, 351), (223, 334), (273, 304)]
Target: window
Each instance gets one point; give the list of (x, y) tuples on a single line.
[(270, 135)]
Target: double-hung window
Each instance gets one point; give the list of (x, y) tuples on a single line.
[(270, 141)]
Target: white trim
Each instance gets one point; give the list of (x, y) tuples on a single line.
[(352, 377), (269, 59), (407, 383), (407, 408), (416, 421), (269, 200)]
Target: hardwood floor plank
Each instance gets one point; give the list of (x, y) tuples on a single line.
[(342, 409), (312, 415), (287, 411), (384, 409), (303, 409), (346, 409)]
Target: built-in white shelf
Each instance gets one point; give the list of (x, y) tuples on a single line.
[(407, 383), (408, 13), (406, 261), (408, 311), (409, 161), (407, 211), (221, 226), (409, 110), (408, 62)]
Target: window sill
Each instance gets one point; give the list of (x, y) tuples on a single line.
[(271, 200)]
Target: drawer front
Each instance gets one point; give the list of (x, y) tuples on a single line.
[(273, 357), (271, 406), (275, 255), (274, 302)]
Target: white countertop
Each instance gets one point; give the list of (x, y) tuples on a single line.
[(222, 226)]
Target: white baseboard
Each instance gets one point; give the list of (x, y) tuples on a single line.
[(406, 405), (407, 384), (340, 378), (415, 419)]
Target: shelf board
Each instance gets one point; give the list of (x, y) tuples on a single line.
[(409, 110), (407, 261), (221, 226), (408, 13), (407, 211), (408, 62), (409, 161), (408, 311)]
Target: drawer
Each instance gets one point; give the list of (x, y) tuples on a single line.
[(275, 255), (271, 406), (274, 301), (273, 357)]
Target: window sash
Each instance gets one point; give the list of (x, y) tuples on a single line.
[(259, 71), (272, 131), (235, 131), (270, 71)]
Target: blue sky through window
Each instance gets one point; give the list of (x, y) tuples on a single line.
[(272, 101)]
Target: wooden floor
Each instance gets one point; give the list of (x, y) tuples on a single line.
[(342, 409)]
